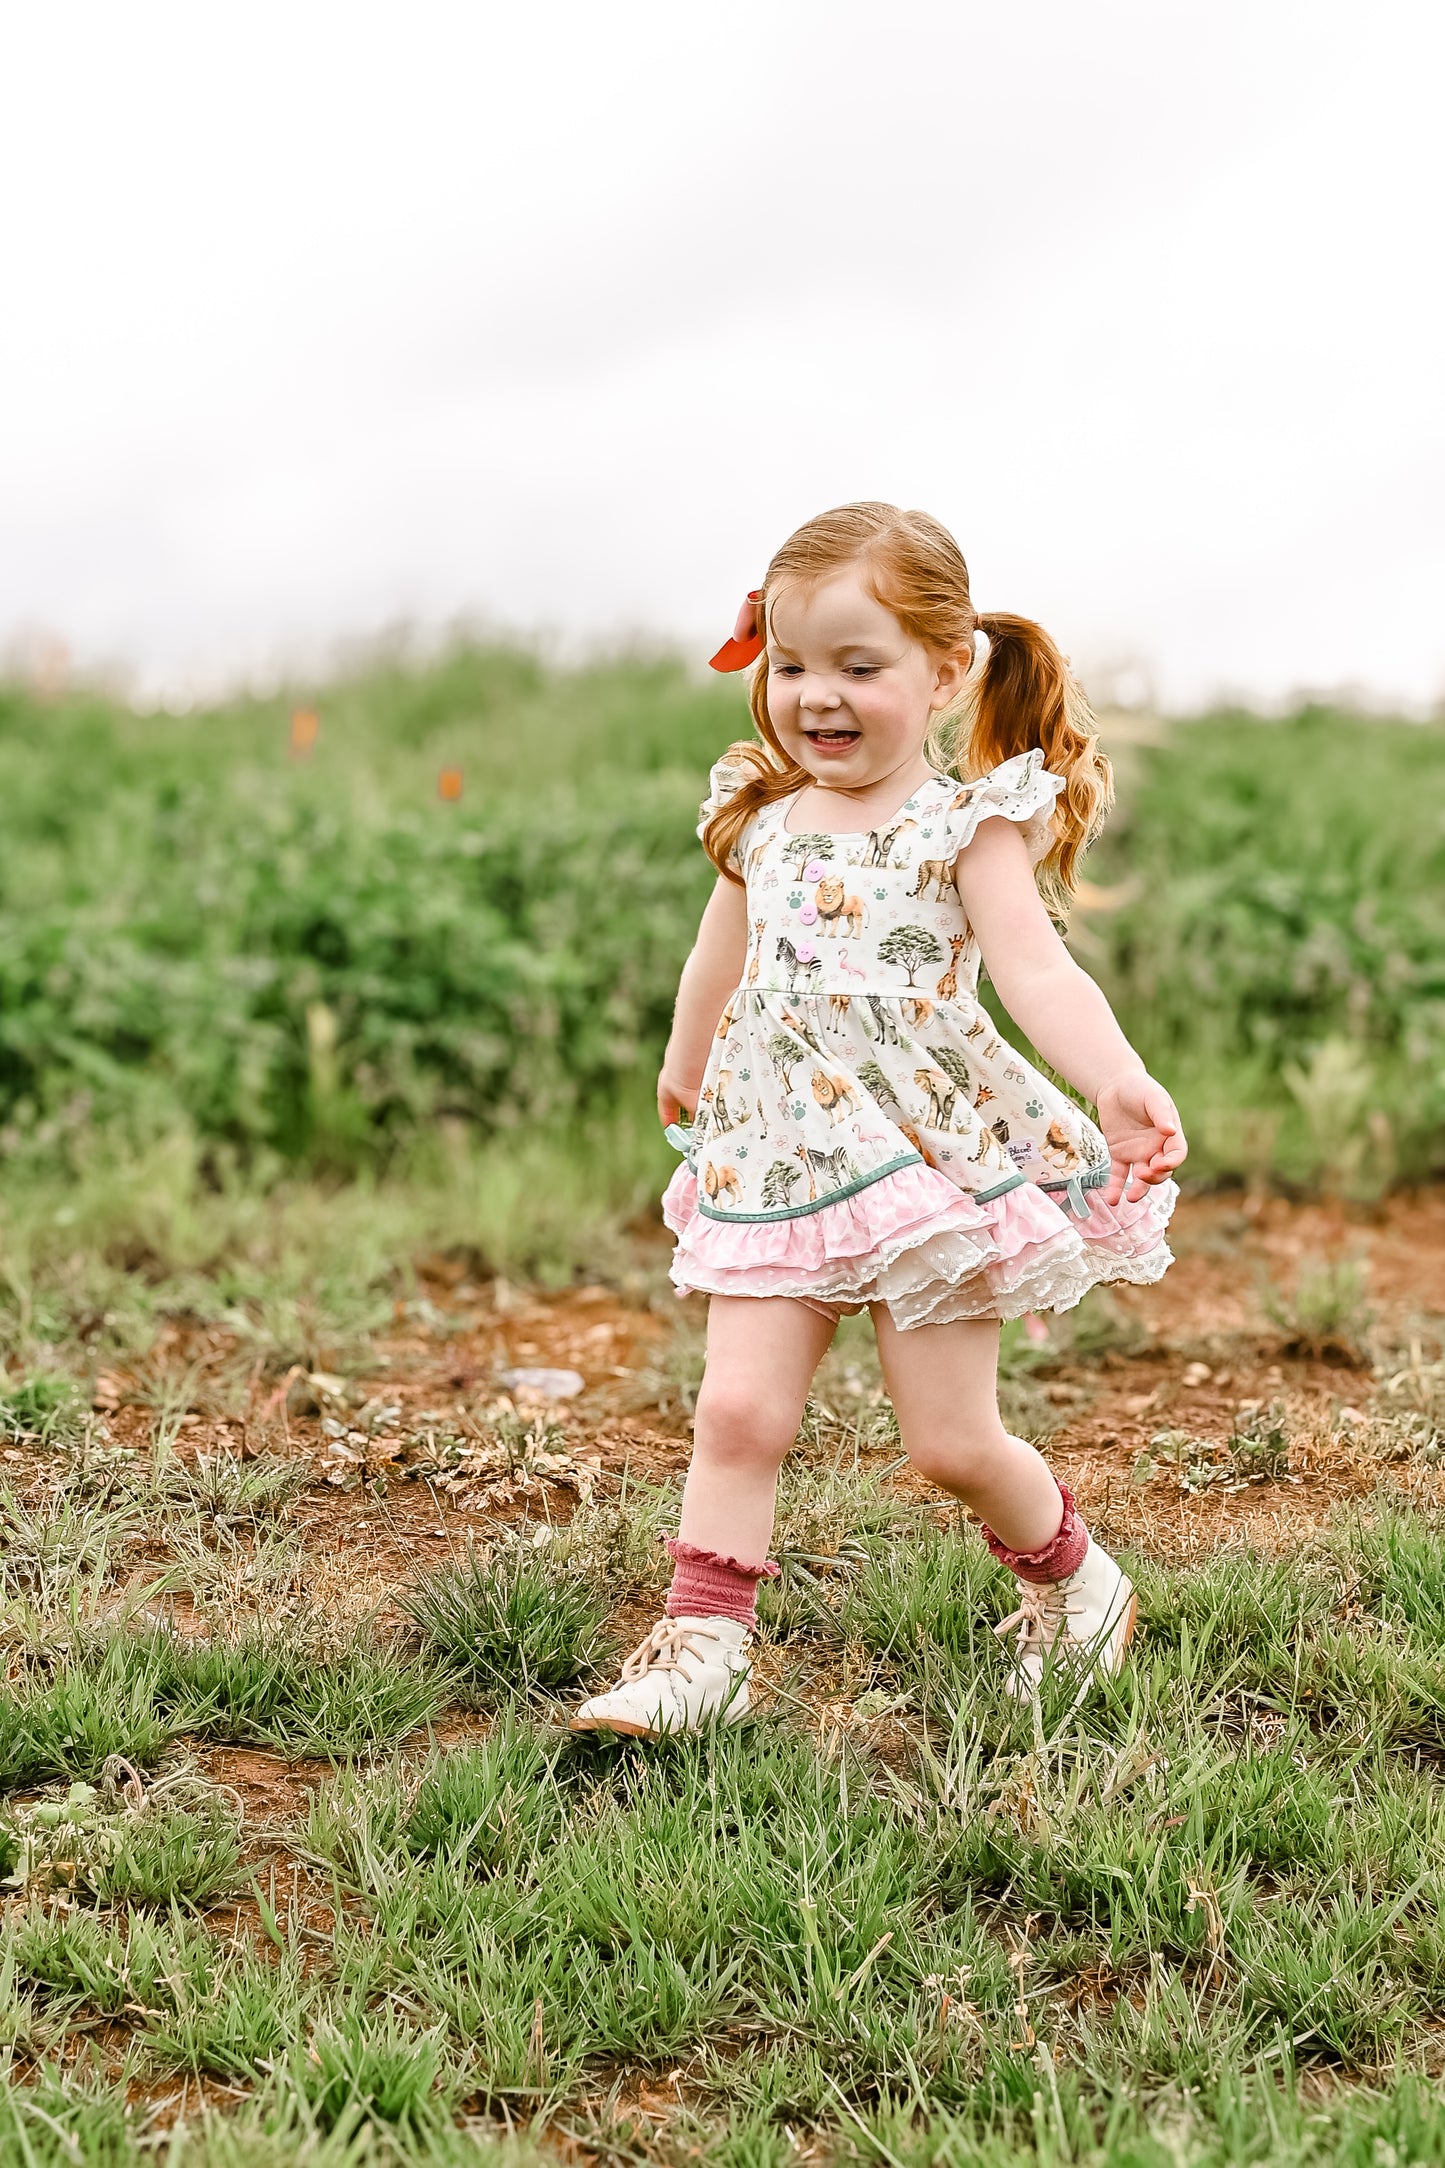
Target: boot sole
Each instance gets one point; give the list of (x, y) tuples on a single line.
[(629, 1730), (1130, 1616), (617, 1724)]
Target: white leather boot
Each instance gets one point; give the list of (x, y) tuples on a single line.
[(687, 1672), (1085, 1622)]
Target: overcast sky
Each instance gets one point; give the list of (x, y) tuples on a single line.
[(323, 316)]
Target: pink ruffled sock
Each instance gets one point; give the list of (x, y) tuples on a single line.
[(707, 1585), (1062, 1555)]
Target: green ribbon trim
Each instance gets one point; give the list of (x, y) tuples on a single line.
[(1000, 1189), (800, 1211), (1074, 1187)]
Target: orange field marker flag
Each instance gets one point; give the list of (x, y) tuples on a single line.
[(449, 784), (305, 729)]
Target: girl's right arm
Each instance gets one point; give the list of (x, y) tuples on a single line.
[(711, 973)]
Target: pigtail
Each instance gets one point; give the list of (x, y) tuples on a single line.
[(1026, 697)]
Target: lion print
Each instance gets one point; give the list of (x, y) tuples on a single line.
[(835, 906), (835, 1094)]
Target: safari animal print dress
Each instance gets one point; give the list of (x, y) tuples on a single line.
[(863, 1133)]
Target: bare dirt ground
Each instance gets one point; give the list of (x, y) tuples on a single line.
[(1139, 1417)]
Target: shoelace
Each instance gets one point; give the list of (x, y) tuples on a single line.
[(668, 1641), (1044, 1608)]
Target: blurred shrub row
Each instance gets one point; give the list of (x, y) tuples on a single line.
[(1282, 962), (316, 957)]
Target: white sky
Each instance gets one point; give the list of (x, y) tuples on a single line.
[(322, 316)]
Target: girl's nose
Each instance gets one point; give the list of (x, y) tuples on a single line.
[(816, 696)]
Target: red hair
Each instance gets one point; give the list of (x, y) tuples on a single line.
[(1023, 697)]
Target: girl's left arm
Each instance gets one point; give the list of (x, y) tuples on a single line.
[(1063, 1012)]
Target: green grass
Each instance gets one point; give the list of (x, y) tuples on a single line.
[(1197, 1918), (133, 1693), (516, 1621), (893, 1917)]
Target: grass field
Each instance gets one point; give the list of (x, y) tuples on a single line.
[(300, 1861)]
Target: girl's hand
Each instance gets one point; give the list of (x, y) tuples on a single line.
[(675, 1094), (1142, 1130)]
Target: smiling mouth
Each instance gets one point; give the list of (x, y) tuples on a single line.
[(834, 737)]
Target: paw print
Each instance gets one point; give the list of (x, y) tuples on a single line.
[(795, 900), (1033, 1110), (927, 833), (798, 1110), (742, 1151), (881, 894), (945, 1155), (745, 1075)]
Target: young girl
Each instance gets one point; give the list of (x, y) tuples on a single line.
[(861, 1134)]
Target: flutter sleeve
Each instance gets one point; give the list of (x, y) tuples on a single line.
[(1021, 789), (724, 778)]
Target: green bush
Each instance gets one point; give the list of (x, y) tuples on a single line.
[(318, 959), (1285, 952)]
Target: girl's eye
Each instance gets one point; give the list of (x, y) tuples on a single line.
[(795, 669)]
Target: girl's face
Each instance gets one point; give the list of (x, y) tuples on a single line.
[(849, 693)]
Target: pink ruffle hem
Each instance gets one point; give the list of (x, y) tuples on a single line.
[(916, 1242)]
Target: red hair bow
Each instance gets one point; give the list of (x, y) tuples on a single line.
[(746, 644)]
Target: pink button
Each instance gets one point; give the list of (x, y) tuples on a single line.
[(808, 913), (814, 870), (805, 952)]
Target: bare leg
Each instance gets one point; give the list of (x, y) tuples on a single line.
[(943, 1382), (762, 1351)]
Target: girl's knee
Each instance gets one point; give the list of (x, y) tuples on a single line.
[(954, 1458), (737, 1421)]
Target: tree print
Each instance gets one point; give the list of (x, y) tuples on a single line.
[(908, 947), (876, 1084), (784, 1053), (802, 848), (952, 1063), (779, 1182)]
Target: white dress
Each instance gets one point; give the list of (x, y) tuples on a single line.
[(863, 1133)]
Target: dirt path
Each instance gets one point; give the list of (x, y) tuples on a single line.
[(1182, 1416)]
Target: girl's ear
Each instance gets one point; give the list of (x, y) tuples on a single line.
[(949, 677)]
